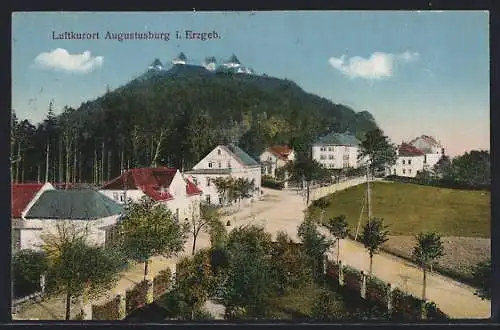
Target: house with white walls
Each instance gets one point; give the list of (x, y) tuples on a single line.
[(162, 184), (275, 157), (24, 195), (82, 210), (416, 156), (224, 161), (337, 151)]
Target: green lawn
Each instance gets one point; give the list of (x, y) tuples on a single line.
[(410, 209)]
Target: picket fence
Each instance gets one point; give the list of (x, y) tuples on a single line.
[(375, 290)]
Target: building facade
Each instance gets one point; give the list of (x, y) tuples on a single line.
[(164, 185), (275, 157), (420, 154), (337, 151), (83, 211), (222, 162)]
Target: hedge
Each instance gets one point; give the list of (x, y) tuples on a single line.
[(272, 184), (161, 283), (438, 183), (136, 297), (352, 278), (108, 312), (434, 313)]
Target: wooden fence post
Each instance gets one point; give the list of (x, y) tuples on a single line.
[(389, 297), (122, 307), (363, 285), (341, 273), (149, 292)]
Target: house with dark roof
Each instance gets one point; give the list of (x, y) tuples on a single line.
[(162, 184), (275, 157), (82, 210), (24, 195), (224, 161), (420, 154), (337, 151)]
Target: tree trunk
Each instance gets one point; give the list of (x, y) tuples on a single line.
[(308, 184), (68, 302), (371, 263), (108, 177), (80, 167), (47, 161), (60, 162), (424, 283), (338, 250), (73, 178), (38, 174), (146, 263), (18, 162), (103, 156)]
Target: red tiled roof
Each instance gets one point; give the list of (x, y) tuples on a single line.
[(281, 151), (22, 194), (408, 150), (192, 189), (150, 180)]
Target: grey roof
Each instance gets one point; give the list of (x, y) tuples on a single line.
[(73, 205), (242, 155), (338, 139)]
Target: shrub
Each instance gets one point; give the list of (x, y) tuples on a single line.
[(107, 312), (332, 270), (136, 297), (437, 183), (434, 313), (27, 266), (408, 306), (161, 283), (272, 184)]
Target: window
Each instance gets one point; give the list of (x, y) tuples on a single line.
[(409, 171), (403, 161), (229, 164), (208, 182), (218, 152), (329, 149), (209, 164), (122, 197), (425, 158), (115, 196), (208, 199), (409, 161), (330, 157), (220, 165), (404, 171), (322, 157)]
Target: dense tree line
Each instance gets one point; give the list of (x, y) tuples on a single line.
[(172, 120)]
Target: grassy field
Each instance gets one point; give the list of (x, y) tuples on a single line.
[(409, 209)]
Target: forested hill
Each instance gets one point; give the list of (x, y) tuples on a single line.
[(174, 117)]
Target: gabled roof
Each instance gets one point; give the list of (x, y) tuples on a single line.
[(407, 150), (338, 139), (22, 194), (153, 181), (73, 205), (281, 151), (241, 155)]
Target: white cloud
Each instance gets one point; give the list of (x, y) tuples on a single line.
[(378, 65), (60, 59)]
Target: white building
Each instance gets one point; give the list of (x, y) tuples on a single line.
[(24, 195), (275, 157), (162, 184), (420, 154), (224, 161), (77, 210), (336, 151)]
